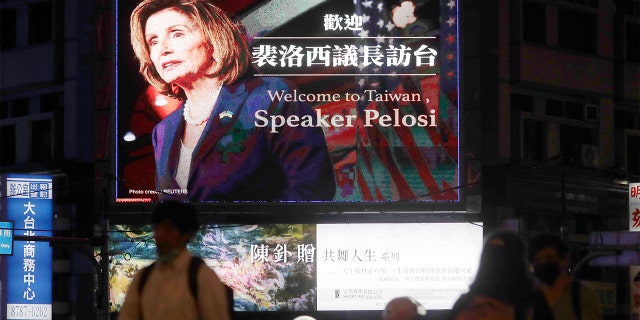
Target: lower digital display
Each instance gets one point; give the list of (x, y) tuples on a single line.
[(323, 267)]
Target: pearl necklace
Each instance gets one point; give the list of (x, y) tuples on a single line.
[(186, 113)]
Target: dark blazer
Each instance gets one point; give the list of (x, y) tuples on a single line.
[(235, 160)]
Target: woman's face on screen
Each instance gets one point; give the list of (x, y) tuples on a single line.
[(177, 47)]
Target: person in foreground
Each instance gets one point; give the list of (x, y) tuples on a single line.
[(503, 288), (568, 299), (220, 144), (164, 293)]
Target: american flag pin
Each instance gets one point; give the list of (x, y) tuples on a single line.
[(226, 114)]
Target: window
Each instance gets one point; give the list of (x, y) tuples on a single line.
[(627, 127), (20, 107), (633, 154), (626, 120), (572, 138), (632, 44), (555, 108), (8, 154), (577, 30), (40, 22), (522, 102), (591, 112), (4, 110), (9, 28), (590, 3), (628, 7), (51, 102), (41, 140), (574, 110), (534, 22), (533, 140), (571, 110)]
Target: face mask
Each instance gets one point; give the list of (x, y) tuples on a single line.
[(169, 256), (547, 272)]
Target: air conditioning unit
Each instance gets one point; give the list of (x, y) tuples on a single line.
[(590, 112), (589, 155)]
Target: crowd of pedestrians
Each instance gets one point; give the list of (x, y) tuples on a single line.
[(518, 280)]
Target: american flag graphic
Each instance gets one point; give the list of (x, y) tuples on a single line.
[(449, 46), (408, 163)]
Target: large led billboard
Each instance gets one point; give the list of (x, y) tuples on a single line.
[(319, 267), (341, 102)]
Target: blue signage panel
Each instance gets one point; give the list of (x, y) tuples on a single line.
[(29, 276), (6, 237)]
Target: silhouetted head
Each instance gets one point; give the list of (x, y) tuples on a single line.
[(174, 223), (402, 308), (179, 214), (503, 271)]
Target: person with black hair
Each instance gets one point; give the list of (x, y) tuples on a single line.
[(503, 288), (162, 290), (568, 298)]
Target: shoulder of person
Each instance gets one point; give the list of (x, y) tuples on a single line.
[(173, 118), (140, 274), (462, 302), (205, 271), (176, 115)]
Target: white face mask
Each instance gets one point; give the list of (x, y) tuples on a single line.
[(169, 256)]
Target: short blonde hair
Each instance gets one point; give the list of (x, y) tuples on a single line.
[(226, 37)]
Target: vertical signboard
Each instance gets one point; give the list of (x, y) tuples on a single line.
[(634, 206), (634, 225), (28, 202)]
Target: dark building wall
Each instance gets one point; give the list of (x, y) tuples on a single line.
[(556, 85)]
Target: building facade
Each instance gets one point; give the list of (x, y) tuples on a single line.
[(48, 58), (556, 85)]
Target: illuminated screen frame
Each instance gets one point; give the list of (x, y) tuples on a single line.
[(319, 267), (420, 170)]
